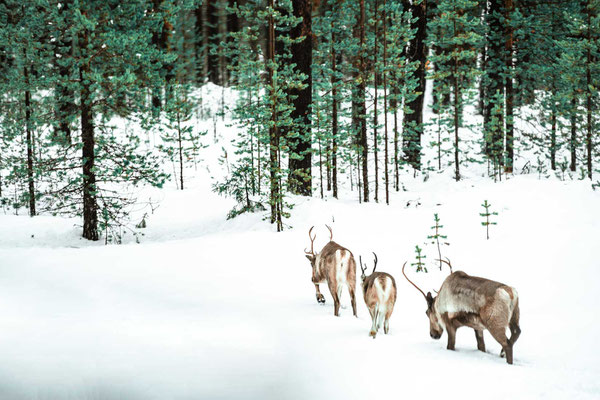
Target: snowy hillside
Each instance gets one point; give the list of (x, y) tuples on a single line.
[(205, 308)]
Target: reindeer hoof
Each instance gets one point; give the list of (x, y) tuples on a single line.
[(373, 334), (320, 298), (502, 354)]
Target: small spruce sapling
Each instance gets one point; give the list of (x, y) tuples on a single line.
[(419, 257), (436, 236), (487, 214)]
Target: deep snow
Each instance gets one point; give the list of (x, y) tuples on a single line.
[(206, 308)]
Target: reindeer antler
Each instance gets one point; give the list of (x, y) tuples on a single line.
[(361, 265), (411, 282), (375, 266), (330, 232), (312, 241), (446, 262)]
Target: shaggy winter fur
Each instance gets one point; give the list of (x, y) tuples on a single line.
[(379, 291), (478, 303), (336, 266)]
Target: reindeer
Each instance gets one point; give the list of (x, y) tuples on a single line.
[(379, 291), (334, 264), (478, 303)]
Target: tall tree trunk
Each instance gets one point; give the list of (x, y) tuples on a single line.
[(413, 122), (90, 207), (385, 105), (494, 90), (375, 122), (212, 20), (573, 141), (358, 104), (481, 100), (510, 158), (157, 43), (553, 138), (273, 130), (180, 148), (457, 97), (300, 168), (334, 107), (588, 74), (29, 140)]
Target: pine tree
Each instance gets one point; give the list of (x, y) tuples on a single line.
[(486, 215), (455, 33)]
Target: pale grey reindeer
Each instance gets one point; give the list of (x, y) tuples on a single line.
[(478, 303), (336, 266), (379, 291)]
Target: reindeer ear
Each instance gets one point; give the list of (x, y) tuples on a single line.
[(429, 298), (310, 258)]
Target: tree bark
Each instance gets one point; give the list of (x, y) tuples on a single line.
[(509, 90), (413, 122), (300, 169), (212, 21), (457, 97), (90, 207), (385, 105), (588, 74), (334, 109), (573, 141), (375, 122), (275, 194), (494, 90), (358, 104), (30, 179)]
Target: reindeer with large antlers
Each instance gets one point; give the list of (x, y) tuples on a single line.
[(379, 291), (475, 302), (334, 264)]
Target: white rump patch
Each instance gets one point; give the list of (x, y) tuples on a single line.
[(383, 295)]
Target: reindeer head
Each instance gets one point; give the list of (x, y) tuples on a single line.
[(435, 326), (312, 256), (363, 276)]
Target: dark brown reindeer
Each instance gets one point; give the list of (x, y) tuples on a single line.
[(379, 291), (334, 264), (475, 302)]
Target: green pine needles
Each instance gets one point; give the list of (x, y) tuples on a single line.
[(419, 260), (436, 236), (486, 215)]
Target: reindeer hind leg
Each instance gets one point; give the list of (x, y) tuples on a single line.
[(515, 330), (499, 333), (351, 290)]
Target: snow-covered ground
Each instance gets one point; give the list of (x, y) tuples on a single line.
[(206, 308)]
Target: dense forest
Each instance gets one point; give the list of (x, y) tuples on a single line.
[(329, 93)]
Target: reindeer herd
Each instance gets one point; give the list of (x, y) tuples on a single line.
[(463, 300)]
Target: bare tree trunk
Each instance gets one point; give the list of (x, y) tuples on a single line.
[(358, 105), (375, 122), (212, 21), (413, 122), (334, 109), (90, 207), (588, 74), (300, 169), (180, 144), (275, 195), (553, 140), (30, 179), (457, 97), (385, 104), (573, 141), (510, 157)]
